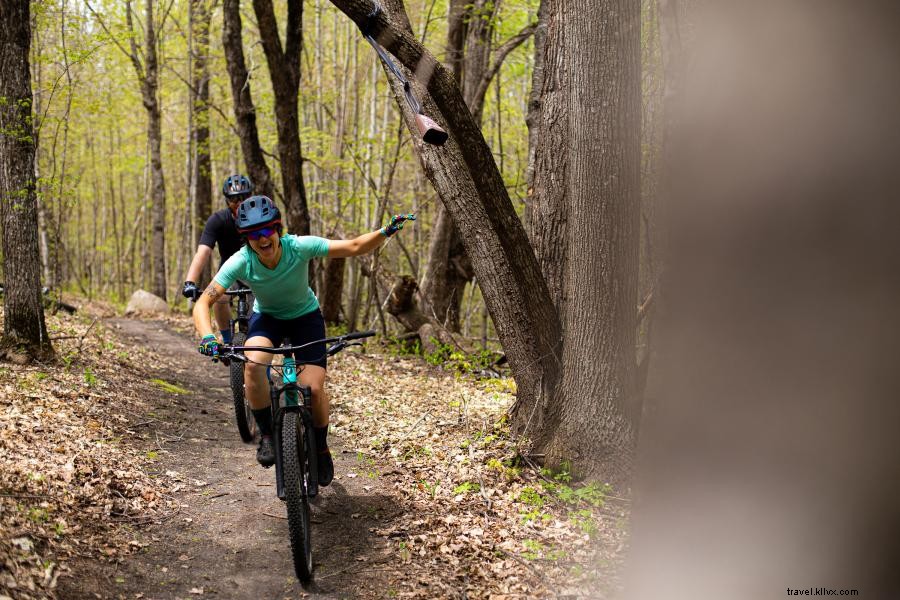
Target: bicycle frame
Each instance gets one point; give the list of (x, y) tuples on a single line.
[(241, 322), (291, 392)]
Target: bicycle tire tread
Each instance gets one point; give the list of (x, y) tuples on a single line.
[(297, 502), (242, 416)]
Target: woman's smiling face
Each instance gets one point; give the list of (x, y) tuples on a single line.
[(265, 247)]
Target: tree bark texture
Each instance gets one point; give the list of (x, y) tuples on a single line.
[(594, 381), (532, 117), (284, 70), (244, 111), (601, 232), (466, 178), (334, 287), (149, 94), (202, 176), (23, 323)]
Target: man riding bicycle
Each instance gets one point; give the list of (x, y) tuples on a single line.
[(220, 229), (276, 268)]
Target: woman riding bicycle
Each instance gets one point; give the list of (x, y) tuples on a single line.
[(276, 268)]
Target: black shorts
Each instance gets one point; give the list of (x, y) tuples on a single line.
[(306, 328)]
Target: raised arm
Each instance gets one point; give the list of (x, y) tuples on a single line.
[(367, 242)]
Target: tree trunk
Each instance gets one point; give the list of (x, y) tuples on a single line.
[(23, 324), (586, 228), (334, 287), (465, 176), (284, 70), (148, 76), (556, 384), (244, 111), (533, 116), (201, 178)]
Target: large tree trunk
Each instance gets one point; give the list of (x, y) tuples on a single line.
[(23, 323), (597, 219), (201, 178), (244, 111), (284, 70)]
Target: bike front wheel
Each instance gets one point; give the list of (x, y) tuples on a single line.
[(246, 424), (293, 456)]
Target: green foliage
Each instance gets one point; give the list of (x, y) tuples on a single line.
[(89, 378), (168, 387), (584, 519), (466, 487), (533, 549), (448, 357), (531, 497)]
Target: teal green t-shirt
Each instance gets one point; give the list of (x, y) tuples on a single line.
[(282, 292)]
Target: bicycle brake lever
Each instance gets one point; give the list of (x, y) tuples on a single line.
[(336, 348)]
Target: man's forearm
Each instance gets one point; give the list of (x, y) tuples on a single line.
[(201, 257)]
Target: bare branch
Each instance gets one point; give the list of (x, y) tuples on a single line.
[(135, 60), (500, 55)]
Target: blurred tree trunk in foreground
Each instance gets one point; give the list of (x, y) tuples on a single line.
[(767, 464)]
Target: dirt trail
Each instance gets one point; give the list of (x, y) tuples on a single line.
[(230, 537)]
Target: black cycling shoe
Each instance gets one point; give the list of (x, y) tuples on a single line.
[(326, 467), (265, 454)]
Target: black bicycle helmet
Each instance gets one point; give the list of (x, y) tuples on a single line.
[(236, 185), (257, 212)]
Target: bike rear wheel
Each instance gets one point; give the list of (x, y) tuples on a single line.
[(246, 424), (293, 456)]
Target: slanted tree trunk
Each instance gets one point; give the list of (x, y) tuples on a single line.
[(284, 70), (201, 178), (557, 384), (470, 186), (244, 111), (24, 328)]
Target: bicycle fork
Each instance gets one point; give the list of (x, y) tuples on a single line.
[(304, 410)]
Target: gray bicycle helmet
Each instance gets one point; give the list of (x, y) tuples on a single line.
[(257, 212), (237, 185)]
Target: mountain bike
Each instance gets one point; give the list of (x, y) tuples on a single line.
[(296, 467), (240, 325)]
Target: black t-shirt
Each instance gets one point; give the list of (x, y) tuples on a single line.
[(220, 228)]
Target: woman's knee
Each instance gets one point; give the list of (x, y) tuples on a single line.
[(254, 373)]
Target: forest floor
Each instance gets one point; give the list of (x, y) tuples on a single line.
[(122, 476)]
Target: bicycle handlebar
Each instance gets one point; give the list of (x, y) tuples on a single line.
[(340, 343)]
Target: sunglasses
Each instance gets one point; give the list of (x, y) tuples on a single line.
[(260, 233)]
